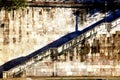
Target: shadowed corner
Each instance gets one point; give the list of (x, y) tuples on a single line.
[(10, 64)]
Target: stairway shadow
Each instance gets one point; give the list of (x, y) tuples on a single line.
[(12, 63)]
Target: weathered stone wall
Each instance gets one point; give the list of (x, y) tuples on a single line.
[(93, 65), (24, 31), (105, 62), (75, 68)]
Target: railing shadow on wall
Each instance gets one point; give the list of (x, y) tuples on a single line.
[(63, 40)]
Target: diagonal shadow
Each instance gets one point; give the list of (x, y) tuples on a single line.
[(10, 64)]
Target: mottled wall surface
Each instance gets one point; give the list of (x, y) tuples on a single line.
[(25, 31), (105, 61)]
